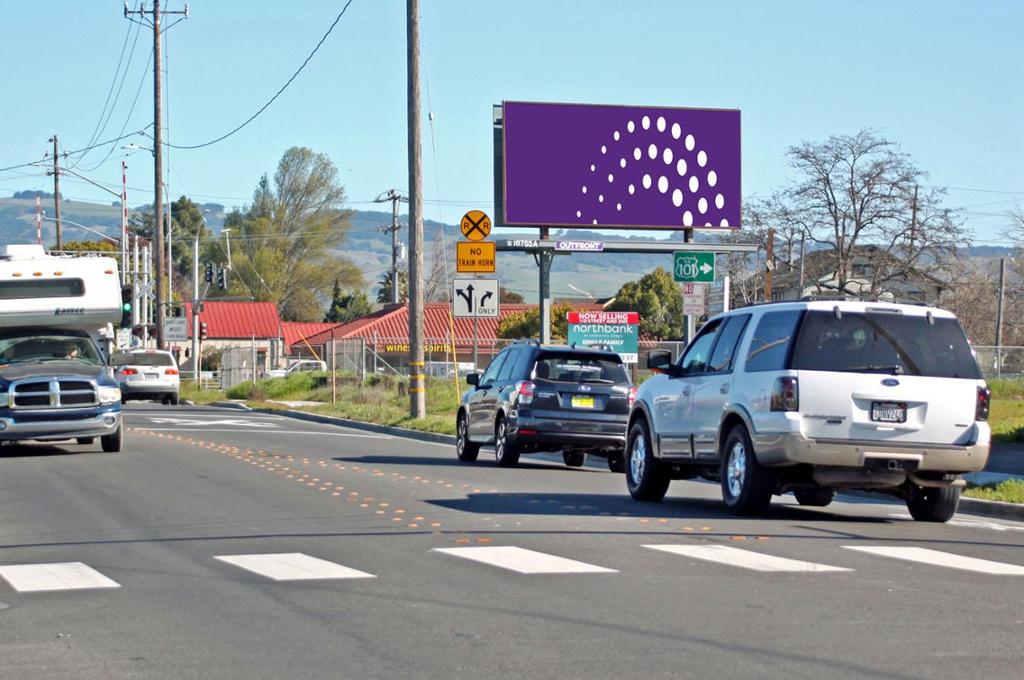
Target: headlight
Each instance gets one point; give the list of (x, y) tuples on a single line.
[(108, 395), (4, 400)]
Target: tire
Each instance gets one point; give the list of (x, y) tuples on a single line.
[(173, 399), (85, 441), (124, 399), (465, 450), (746, 485), (574, 458), (646, 476), (815, 498), (617, 462), (929, 504), (506, 450), (112, 442)]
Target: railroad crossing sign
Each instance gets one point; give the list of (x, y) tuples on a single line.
[(693, 266), (475, 297), (475, 257), (475, 225)]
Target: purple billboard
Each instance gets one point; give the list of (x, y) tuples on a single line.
[(621, 167)]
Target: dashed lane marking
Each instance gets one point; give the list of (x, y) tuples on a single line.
[(525, 561), (941, 559), (745, 559), (31, 578), (292, 567)]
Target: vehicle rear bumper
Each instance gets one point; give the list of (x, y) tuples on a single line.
[(792, 448), (89, 425), (580, 433), (149, 387)]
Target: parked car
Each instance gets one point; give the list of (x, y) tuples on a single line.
[(301, 366), (535, 397), (811, 397), (147, 374)]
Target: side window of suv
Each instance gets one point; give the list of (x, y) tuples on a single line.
[(771, 341), (508, 368), (490, 375), (696, 357), (728, 338)]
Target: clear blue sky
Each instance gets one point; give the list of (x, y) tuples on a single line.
[(943, 79)]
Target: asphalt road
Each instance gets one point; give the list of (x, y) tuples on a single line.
[(225, 544)]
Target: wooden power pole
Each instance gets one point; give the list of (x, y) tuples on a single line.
[(417, 382), (56, 194), (769, 265)]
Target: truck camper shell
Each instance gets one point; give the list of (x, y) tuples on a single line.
[(40, 290)]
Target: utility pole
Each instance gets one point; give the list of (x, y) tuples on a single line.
[(56, 193), (197, 351), (124, 223), (39, 221), (417, 384), (158, 162), (999, 317), (395, 198), (769, 265)]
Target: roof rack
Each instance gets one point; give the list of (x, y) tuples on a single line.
[(529, 341)]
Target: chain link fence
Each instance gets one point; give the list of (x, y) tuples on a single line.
[(1000, 362)]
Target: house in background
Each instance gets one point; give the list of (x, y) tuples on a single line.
[(255, 326), (870, 265)]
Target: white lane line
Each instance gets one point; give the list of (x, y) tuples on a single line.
[(745, 559), (941, 559), (214, 429), (33, 578), (525, 561), (292, 567)]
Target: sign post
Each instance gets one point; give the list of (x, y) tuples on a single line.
[(618, 331)]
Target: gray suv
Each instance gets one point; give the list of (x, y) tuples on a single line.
[(535, 397)]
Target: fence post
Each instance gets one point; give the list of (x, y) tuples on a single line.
[(334, 375), (362, 360)]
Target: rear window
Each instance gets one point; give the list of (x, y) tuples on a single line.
[(132, 359), (770, 343), (33, 289), (884, 343), (576, 368)]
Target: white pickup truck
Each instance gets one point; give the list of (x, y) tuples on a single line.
[(300, 366), (56, 326)]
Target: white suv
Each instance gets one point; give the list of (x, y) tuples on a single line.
[(811, 397)]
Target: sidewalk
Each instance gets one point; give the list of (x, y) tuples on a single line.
[(1006, 459)]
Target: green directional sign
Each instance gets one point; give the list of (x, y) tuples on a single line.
[(693, 267)]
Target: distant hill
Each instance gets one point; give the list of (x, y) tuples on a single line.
[(579, 275)]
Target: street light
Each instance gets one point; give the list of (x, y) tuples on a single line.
[(64, 220)]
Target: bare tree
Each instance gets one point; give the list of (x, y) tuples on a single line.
[(858, 190), (437, 285)]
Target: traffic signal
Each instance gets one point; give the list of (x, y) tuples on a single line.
[(126, 306), (222, 278), (208, 275), (203, 330)]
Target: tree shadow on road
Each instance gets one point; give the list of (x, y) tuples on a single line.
[(450, 462), (42, 450)]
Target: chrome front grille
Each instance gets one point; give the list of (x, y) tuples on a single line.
[(55, 393)]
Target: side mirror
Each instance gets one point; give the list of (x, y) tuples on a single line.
[(660, 360), (473, 379)]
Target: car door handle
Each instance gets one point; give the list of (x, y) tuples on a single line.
[(686, 391), (724, 388)]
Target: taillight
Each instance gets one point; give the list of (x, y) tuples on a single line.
[(983, 404), (785, 394), (171, 371), (525, 390), (631, 396), (129, 371)]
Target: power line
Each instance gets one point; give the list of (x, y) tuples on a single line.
[(101, 124), (276, 95), (127, 119)]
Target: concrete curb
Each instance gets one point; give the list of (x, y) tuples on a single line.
[(978, 506), (353, 424)]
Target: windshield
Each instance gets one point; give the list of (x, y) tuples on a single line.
[(142, 359), (576, 368), (15, 349), (884, 343)]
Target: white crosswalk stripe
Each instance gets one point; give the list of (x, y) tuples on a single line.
[(292, 567), (33, 578), (746, 559), (525, 561), (941, 559)]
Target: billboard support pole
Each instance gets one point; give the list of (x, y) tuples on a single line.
[(689, 329), (544, 289)]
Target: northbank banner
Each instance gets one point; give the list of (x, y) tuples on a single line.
[(622, 167)]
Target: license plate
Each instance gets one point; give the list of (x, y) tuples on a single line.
[(888, 412), (582, 402), (152, 376)]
